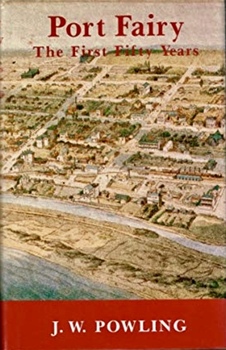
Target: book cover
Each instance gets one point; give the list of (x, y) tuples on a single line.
[(113, 175)]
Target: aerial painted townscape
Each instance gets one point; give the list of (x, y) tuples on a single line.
[(114, 168)]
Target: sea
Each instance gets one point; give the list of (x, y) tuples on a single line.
[(27, 277)]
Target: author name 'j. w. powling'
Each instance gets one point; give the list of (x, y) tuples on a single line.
[(115, 326)]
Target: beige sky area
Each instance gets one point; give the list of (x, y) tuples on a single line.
[(26, 26)]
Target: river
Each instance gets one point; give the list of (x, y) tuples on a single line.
[(101, 215)]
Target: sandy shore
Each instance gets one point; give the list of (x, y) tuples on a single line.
[(118, 256)]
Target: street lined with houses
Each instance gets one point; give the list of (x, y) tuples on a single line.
[(146, 139)]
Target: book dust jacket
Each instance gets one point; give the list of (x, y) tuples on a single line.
[(113, 175)]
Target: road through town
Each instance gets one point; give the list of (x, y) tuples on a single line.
[(101, 215)]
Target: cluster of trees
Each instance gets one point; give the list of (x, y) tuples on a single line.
[(147, 68)]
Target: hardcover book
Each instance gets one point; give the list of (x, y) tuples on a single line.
[(113, 175)]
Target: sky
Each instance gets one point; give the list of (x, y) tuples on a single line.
[(25, 23)]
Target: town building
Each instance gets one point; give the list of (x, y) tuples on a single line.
[(189, 177), (91, 190), (207, 200), (154, 197), (92, 169)]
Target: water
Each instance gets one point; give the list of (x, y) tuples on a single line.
[(26, 277)]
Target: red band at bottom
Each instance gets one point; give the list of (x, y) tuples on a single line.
[(123, 324)]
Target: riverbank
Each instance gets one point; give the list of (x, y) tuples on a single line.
[(102, 215), (120, 256)]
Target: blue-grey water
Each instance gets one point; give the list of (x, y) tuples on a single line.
[(26, 277)]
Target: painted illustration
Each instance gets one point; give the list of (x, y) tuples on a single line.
[(112, 151)]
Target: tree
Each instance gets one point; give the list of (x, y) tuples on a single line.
[(148, 66), (135, 89)]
